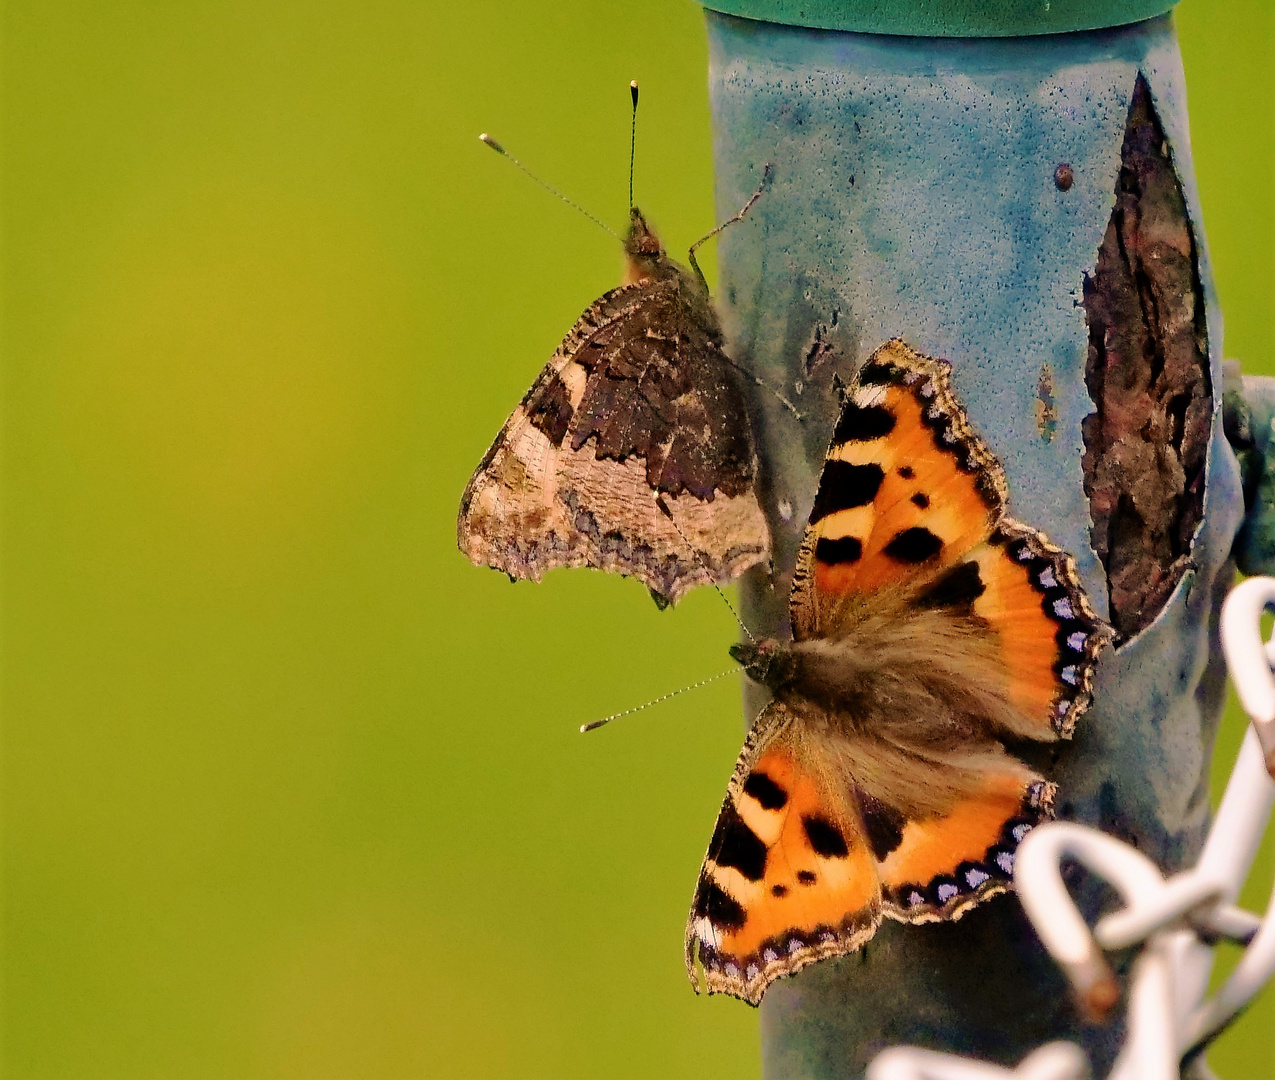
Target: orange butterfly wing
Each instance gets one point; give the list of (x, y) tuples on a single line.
[(797, 872), (805, 862), (911, 497), (806, 858), (945, 865), (906, 490), (1049, 636)]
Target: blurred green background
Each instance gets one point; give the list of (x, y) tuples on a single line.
[(289, 788)]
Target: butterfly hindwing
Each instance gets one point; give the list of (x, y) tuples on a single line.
[(631, 453), (946, 864), (804, 863), (1048, 633)]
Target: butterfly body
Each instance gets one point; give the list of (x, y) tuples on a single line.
[(632, 451), (897, 668), (933, 638)]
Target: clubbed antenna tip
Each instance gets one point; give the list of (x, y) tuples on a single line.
[(633, 93), (593, 725), (489, 141)]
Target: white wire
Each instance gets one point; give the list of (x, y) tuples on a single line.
[(1254, 969), (1248, 659), (1150, 1052), (1063, 930)]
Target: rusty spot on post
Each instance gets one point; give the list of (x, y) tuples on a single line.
[(1148, 375), (1045, 407)]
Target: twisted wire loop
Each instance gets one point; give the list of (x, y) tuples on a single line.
[(1175, 920)]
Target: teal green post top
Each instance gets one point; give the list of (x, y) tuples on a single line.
[(947, 18)]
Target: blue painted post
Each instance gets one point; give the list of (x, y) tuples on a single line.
[(1025, 207)]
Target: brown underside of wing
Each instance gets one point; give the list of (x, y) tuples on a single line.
[(631, 453)]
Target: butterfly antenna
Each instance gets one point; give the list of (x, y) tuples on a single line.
[(593, 725), (766, 174), (667, 511), (742, 625), (633, 93), (488, 140)]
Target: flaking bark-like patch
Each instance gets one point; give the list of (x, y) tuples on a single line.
[(1148, 374)]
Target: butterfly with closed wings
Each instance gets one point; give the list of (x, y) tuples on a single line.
[(633, 450)]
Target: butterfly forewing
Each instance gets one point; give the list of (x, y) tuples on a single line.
[(907, 488)]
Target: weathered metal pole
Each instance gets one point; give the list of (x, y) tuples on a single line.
[(1009, 187)]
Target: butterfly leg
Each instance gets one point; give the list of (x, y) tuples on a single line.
[(766, 175)]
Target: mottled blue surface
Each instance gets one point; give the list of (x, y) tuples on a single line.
[(914, 196)]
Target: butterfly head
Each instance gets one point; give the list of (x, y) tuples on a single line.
[(764, 661), (642, 249)]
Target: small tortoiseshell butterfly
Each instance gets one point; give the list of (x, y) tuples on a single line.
[(633, 450), (929, 629)]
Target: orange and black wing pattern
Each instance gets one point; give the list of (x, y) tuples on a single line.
[(906, 489), (936, 868), (788, 879), (911, 498), (799, 870)]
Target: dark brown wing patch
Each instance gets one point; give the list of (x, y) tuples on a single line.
[(661, 388), (638, 404)]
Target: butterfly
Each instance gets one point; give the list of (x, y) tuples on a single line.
[(633, 450), (930, 630)]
